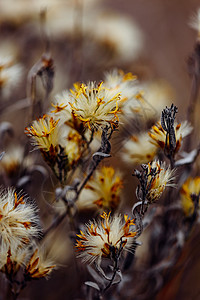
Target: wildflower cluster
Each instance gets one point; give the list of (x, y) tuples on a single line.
[(66, 132), (18, 230), (90, 136)]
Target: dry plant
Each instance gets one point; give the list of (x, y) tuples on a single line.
[(81, 219)]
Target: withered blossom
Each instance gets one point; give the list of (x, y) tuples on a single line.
[(18, 219), (105, 238), (158, 135), (10, 75), (39, 265), (189, 188), (60, 146), (94, 105), (102, 191), (159, 178), (45, 133), (12, 259), (14, 161), (139, 149), (124, 83), (154, 178)]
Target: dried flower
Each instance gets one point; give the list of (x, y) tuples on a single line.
[(105, 238), (12, 260), (60, 146), (10, 75), (158, 178), (125, 84), (158, 135), (102, 191), (95, 105), (157, 94), (189, 188), (61, 107), (149, 98), (39, 265), (139, 149), (45, 133), (18, 219), (14, 161), (195, 22), (73, 147), (153, 178)]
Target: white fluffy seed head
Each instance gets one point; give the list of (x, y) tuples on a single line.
[(18, 219), (105, 237)]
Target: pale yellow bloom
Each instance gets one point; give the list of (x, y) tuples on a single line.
[(45, 133), (102, 191), (105, 237), (10, 75), (92, 105), (157, 183), (139, 150), (14, 161), (95, 105), (61, 108), (74, 147), (158, 135), (12, 259), (191, 186), (124, 83)]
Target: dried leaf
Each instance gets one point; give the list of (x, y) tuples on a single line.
[(93, 284), (96, 276)]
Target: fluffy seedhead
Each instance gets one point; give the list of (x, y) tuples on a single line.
[(18, 219), (105, 238)]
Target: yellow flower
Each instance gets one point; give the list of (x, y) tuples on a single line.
[(105, 238), (12, 259), (95, 105), (123, 83), (157, 182), (102, 191), (61, 107), (158, 135), (191, 186), (139, 149), (45, 133), (74, 146)]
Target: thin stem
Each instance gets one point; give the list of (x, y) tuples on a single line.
[(62, 217), (113, 276)]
